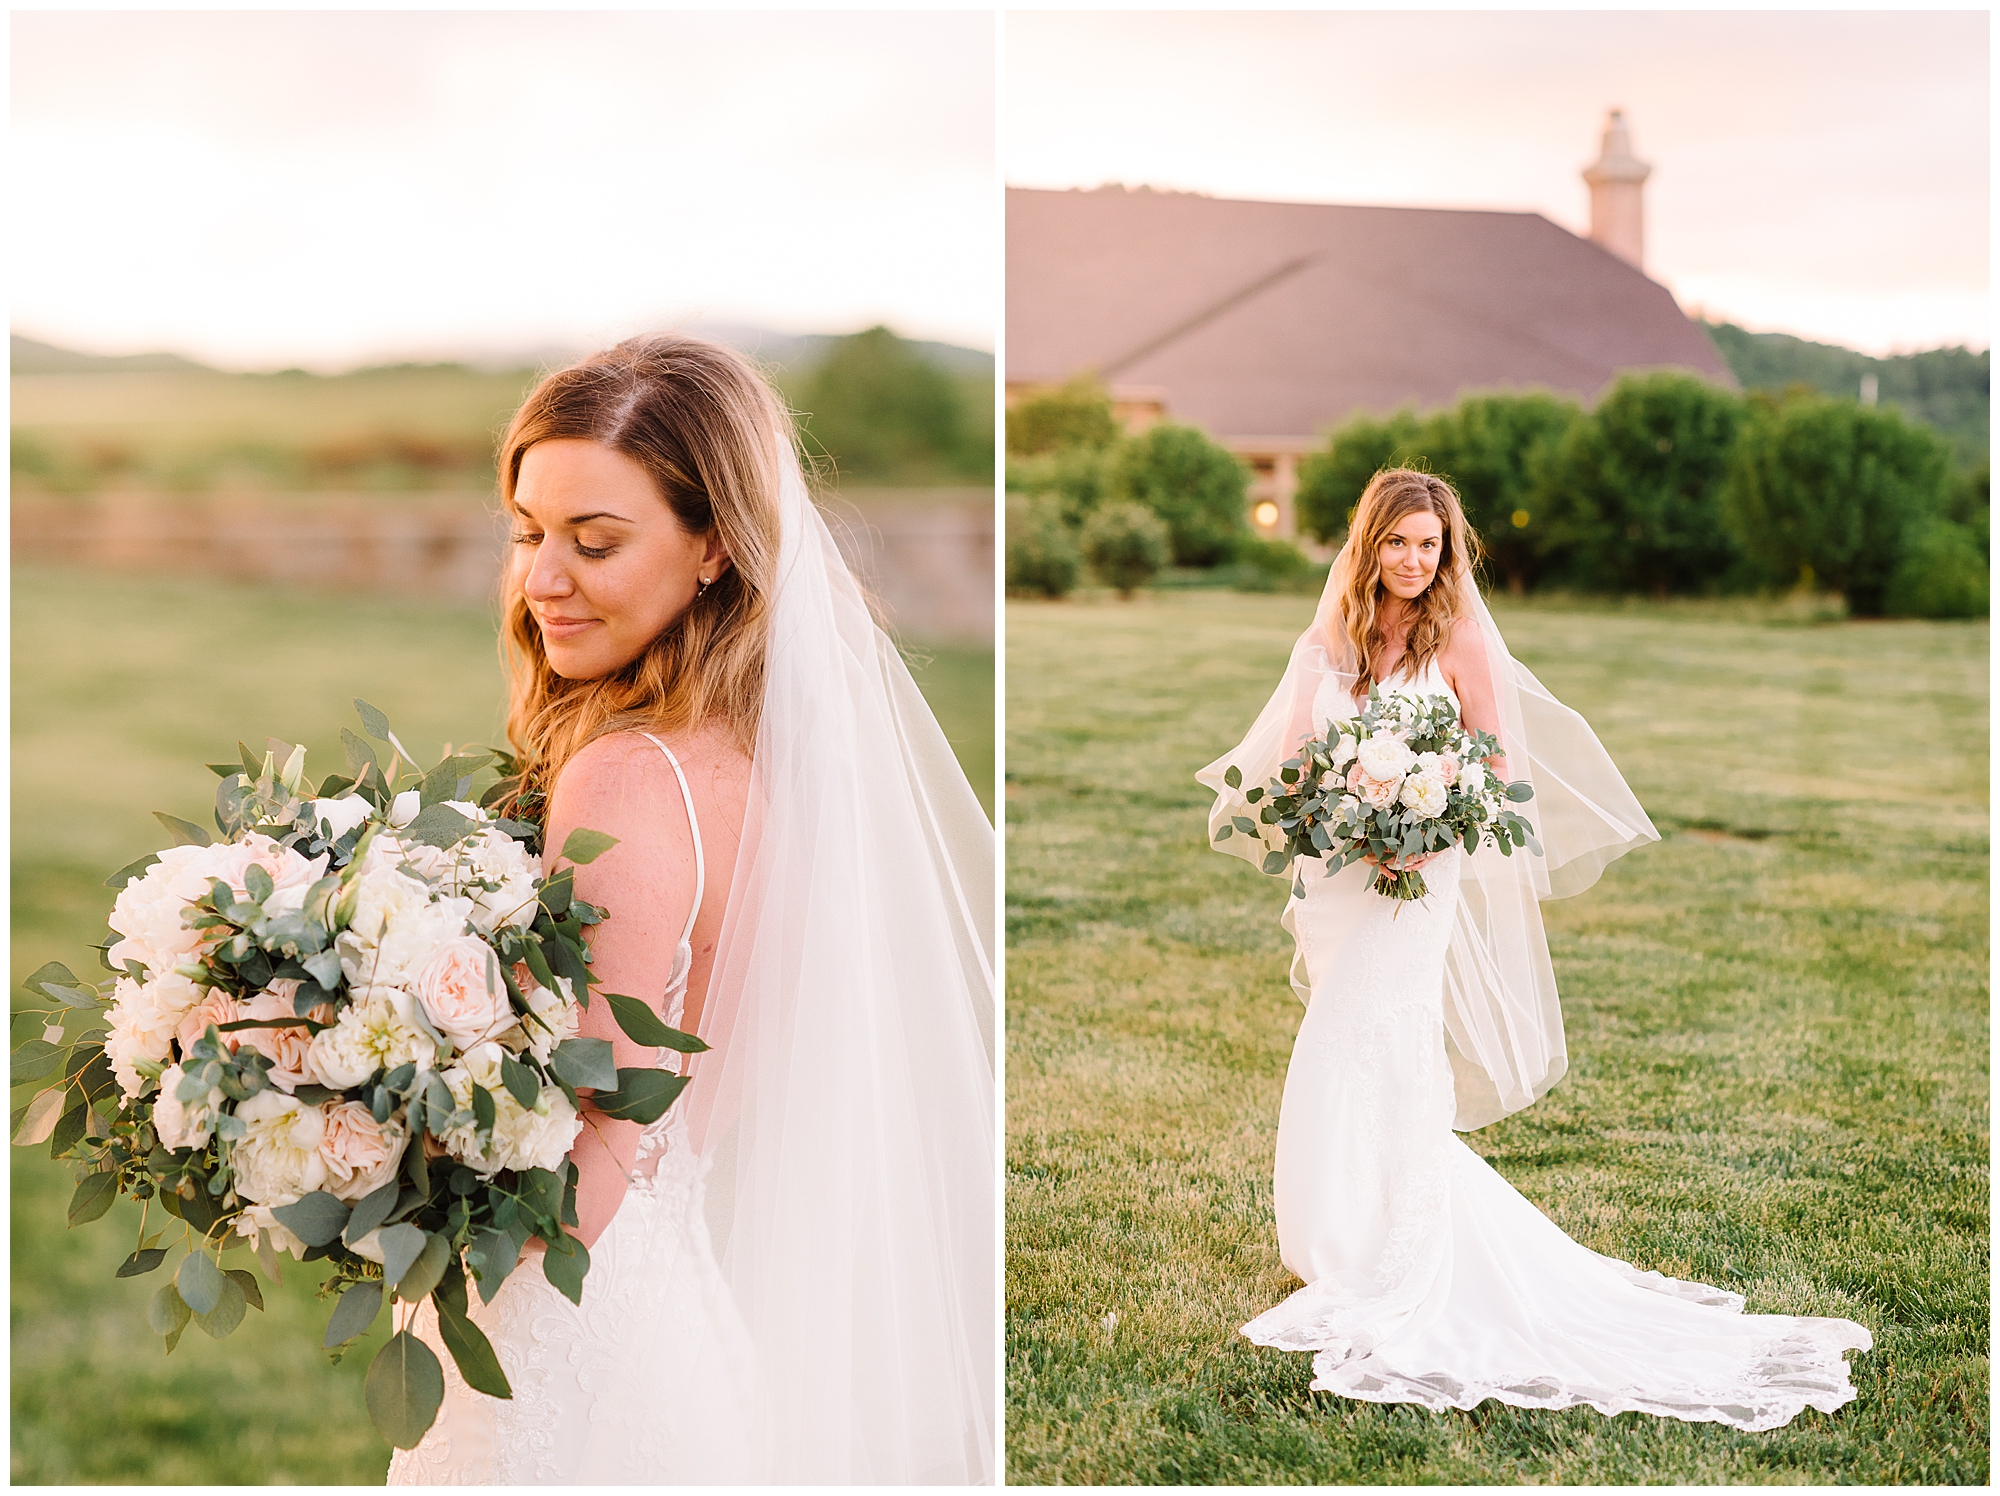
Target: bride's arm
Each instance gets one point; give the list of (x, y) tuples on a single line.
[(622, 785), (1469, 672)]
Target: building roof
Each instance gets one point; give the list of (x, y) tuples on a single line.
[(1281, 319)]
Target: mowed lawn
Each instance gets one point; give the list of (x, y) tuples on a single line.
[(122, 689), (1777, 1023)]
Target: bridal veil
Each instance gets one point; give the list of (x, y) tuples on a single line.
[(845, 1115), (1503, 1022)]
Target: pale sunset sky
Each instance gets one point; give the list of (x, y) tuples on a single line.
[(1819, 173), (260, 189)]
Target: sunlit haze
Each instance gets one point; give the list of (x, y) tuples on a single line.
[(331, 188), (1823, 174)]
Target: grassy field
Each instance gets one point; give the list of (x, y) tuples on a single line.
[(1777, 1025), (121, 690)]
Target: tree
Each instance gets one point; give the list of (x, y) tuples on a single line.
[(1127, 545), (1042, 555), (1634, 491), (883, 411), (1832, 493), (1331, 480), (1941, 575), (1197, 486), (1076, 413), (1494, 449), (1075, 477)]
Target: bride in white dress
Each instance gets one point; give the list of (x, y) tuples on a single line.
[(792, 1271), (1428, 1278)]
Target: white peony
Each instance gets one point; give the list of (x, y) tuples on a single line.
[(522, 1139), (378, 1030), (1383, 755), (255, 1218), (559, 1015), (1425, 793), (278, 1159), (493, 857), (143, 1018), (395, 927), (184, 1124), (148, 911)]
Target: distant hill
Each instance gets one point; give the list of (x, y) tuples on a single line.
[(785, 350), (1948, 389)]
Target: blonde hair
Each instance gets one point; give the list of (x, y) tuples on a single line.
[(1392, 495), (710, 434)]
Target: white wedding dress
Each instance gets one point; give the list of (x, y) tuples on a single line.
[(607, 1393), (1428, 1278)]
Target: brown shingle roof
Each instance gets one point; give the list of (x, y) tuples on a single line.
[(1280, 319)]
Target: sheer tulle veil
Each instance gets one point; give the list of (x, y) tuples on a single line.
[(845, 1116), (1503, 1022)]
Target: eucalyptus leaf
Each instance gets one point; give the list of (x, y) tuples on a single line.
[(425, 1270), (583, 846), (642, 1095), (473, 1353), (317, 1219), (143, 1261), (564, 1263), (643, 1026), (184, 833), (39, 1118), (93, 1198), (353, 1315), (33, 1060), (369, 1212), (400, 1245), (246, 1284), (199, 1281), (438, 826), (404, 1389), (227, 1314), (585, 1062), (372, 721), (520, 1081), (166, 1311)]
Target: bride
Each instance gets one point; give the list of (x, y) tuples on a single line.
[(1428, 1279), (792, 1271)]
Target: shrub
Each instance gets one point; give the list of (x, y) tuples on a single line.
[(1074, 477), (1633, 492), (884, 411), (1042, 556), (1127, 545), (1073, 414), (1196, 485), (1830, 492), (1971, 504), (1260, 565), (1941, 574), (1494, 449), (1331, 480)]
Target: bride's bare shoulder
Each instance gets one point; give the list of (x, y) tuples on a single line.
[(624, 774)]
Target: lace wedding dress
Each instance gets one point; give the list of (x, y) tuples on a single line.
[(606, 1393), (1428, 1278)]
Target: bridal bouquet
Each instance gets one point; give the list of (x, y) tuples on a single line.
[(1401, 779), (347, 1030)]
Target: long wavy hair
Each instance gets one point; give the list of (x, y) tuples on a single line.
[(1390, 496), (710, 434)]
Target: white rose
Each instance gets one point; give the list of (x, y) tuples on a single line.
[(522, 1138), (1472, 778), (255, 1218), (341, 815), (360, 1153), (376, 1031), (278, 1160), (143, 1018), (462, 991), (1425, 794), (179, 1124), (1343, 751), (392, 933), (1383, 755), (492, 857)]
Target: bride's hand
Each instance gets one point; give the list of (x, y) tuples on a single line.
[(1396, 864)]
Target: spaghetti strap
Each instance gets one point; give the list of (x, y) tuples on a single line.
[(687, 798)]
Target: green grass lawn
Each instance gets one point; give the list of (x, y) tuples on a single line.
[(1777, 1025), (122, 689)]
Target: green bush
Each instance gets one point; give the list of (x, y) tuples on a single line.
[(1127, 545), (1042, 555), (1073, 414), (1942, 574), (1633, 493), (886, 413), (1495, 449), (1971, 504), (1259, 565), (1196, 485), (1828, 492), (1075, 477), (1331, 480)]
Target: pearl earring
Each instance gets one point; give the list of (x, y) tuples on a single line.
[(704, 586)]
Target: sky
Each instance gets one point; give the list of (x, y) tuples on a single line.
[(260, 190), (1818, 173)]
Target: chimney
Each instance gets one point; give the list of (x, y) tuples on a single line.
[(1616, 178)]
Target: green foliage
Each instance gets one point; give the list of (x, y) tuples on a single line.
[(1826, 493), (1634, 493), (1042, 553), (887, 414), (1196, 485), (1495, 450), (1970, 504), (1127, 545), (1942, 574), (1263, 564), (1331, 480), (1076, 413), (1947, 389), (1075, 477), (1777, 1028)]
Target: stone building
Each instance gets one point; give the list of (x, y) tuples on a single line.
[(1266, 324)]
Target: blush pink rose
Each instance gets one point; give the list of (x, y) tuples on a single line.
[(461, 991), (1380, 793), (218, 1008), (290, 1047), (360, 1153)]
